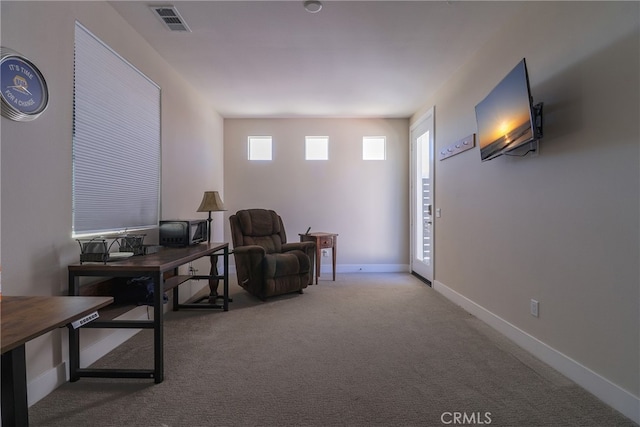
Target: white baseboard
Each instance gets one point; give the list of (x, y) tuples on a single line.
[(91, 354), (610, 393), (45, 383), (326, 268)]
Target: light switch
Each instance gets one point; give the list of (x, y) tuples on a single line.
[(438, 213)]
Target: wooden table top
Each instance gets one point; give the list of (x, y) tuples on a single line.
[(165, 259), (23, 318), (318, 234)]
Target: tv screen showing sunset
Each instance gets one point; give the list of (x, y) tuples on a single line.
[(504, 116)]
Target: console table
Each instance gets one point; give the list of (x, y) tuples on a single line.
[(323, 241), (25, 318), (162, 267)]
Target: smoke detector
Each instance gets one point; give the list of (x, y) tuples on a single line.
[(312, 6), (171, 18)]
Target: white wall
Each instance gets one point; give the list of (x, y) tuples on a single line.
[(561, 227), (36, 158), (365, 202)]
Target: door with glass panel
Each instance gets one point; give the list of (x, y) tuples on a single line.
[(422, 224)]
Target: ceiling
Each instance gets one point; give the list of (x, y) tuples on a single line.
[(351, 59)]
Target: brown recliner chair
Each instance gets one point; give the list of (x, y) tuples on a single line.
[(266, 265)]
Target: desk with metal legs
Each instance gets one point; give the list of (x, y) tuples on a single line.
[(23, 319), (155, 265)]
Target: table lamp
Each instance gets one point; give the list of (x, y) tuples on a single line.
[(211, 202)]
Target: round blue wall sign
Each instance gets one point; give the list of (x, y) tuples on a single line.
[(23, 88)]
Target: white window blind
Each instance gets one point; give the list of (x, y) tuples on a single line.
[(116, 142)]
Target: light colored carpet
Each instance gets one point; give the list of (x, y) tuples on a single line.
[(366, 350)]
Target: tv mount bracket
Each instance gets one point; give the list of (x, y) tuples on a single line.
[(536, 110)]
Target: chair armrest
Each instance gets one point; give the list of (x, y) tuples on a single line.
[(250, 250), (307, 247), (249, 259)]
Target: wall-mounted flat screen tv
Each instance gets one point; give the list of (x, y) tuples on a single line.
[(507, 118)]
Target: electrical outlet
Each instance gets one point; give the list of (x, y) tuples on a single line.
[(325, 253), (534, 308)]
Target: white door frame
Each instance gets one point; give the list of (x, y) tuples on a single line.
[(419, 266)]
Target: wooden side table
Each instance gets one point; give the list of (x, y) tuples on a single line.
[(322, 241)]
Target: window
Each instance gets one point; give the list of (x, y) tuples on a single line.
[(260, 148), (373, 148), (116, 142), (317, 147)]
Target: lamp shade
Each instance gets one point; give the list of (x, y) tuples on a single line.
[(211, 201)]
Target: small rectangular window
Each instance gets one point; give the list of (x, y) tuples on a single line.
[(260, 148), (373, 148), (317, 147)]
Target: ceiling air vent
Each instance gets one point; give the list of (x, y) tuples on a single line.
[(170, 18)]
